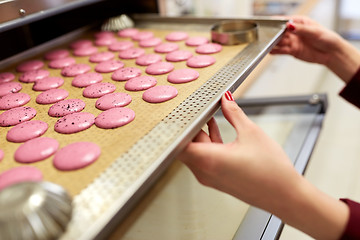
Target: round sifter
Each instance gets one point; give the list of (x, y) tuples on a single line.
[(34, 210)]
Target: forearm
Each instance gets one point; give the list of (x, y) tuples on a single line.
[(314, 213), (345, 60)]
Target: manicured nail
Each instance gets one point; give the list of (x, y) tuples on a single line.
[(291, 27), (229, 96)]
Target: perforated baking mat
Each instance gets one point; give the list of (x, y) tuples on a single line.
[(133, 156)]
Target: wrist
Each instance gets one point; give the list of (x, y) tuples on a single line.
[(314, 212), (345, 60)]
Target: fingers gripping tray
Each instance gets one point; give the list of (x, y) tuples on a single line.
[(134, 156)]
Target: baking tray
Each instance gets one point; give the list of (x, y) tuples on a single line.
[(108, 198)]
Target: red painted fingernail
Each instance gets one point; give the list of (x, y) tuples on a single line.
[(229, 96), (291, 27)]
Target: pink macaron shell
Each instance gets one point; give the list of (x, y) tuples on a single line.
[(61, 63), (14, 100), (66, 107), (148, 59), (75, 69), (30, 65), (76, 155), (150, 42), (120, 46), (183, 75), (114, 117), (142, 35), (125, 74), (176, 36), (101, 57), (20, 174), (109, 66), (34, 75), (209, 48), (56, 54), (200, 61), (52, 96), (104, 34), (16, 116), (128, 32), (140, 83), (178, 55), (98, 90), (36, 149), (48, 83), (74, 122), (26, 131), (166, 47), (9, 87), (196, 41), (85, 51), (86, 79), (159, 68), (159, 94), (131, 53), (105, 41), (112, 100), (81, 43), (6, 77)]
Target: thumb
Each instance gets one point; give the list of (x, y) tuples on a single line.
[(232, 112)]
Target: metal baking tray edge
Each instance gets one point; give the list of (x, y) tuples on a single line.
[(107, 200)]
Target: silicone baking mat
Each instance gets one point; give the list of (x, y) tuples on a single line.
[(113, 142)]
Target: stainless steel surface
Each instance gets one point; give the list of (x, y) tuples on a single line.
[(16, 13), (234, 32), (110, 197), (34, 210)]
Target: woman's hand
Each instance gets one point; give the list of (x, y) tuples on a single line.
[(307, 40), (256, 170)]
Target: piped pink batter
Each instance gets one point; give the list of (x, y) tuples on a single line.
[(48, 83), (98, 89), (200, 61), (196, 41), (183, 75), (120, 46), (159, 68), (36, 149), (9, 87), (26, 131), (209, 48), (14, 100), (74, 122), (131, 53), (18, 175), (140, 83), (16, 116), (148, 59), (6, 77), (101, 57), (86, 79), (52, 96), (109, 66), (128, 32), (159, 94), (61, 63), (125, 74), (166, 47), (75, 69), (177, 36), (114, 117), (151, 42), (178, 55), (66, 107), (76, 155), (113, 100), (34, 75), (30, 65), (56, 54)]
